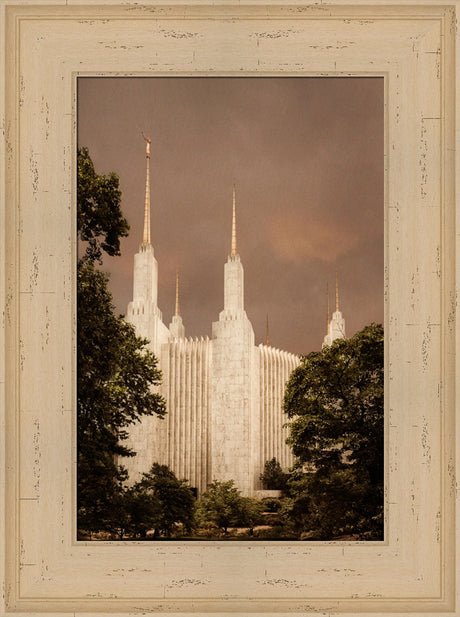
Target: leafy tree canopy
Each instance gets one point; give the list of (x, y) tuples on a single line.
[(220, 504), (143, 511), (116, 373), (273, 478), (100, 221), (334, 400), (223, 505), (250, 513), (165, 500)]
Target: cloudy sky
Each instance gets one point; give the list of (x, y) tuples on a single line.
[(306, 156)]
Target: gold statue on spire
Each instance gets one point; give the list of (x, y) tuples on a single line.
[(146, 234), (177, 313), (234, 225)]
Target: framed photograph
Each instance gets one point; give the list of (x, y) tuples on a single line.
[(48, 49), (230, 286)]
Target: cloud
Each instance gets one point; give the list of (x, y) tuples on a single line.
[(298, 238)]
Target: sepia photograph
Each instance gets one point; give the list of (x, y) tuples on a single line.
[(230, 302), (229, 287)]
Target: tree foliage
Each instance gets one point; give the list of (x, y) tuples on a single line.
[(143, 511), (334, 400), (115, 370), (160, 501), (223, 505), (220, 504), (250, 513), (273, 477), (100, 221)]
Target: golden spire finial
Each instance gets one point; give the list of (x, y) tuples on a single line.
[(234, 225), (177, 292), (267, 340), (328, 312), (336, 293), (146, 234)]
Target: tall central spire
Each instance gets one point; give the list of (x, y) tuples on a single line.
[(336, 293), (328, 324), (233, 278), (234, 225), (146, 234), (176, 327), (177, 293)]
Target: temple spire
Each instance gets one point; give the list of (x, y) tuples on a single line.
[(328, 311), (176, 327), (267, 340), (177, 313), (336, 292), (146, 234), (233, 279), (234, 225)]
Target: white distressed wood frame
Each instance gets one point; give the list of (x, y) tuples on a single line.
[(43, 49)]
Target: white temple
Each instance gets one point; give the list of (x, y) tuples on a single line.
[(224, 395)]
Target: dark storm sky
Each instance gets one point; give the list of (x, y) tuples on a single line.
[(306, 155)]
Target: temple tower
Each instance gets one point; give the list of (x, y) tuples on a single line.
[(148, 437), (235, 425), (336, 325), (143, 311)]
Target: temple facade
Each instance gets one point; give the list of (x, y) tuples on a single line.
[(224, 394)]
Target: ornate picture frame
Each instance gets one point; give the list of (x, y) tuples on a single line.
[(45, 48)]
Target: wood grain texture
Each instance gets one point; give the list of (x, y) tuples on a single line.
[(43, 50)]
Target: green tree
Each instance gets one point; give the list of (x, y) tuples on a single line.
[(115, 370), (220, 504), (250, 513), (334, 400), (100, 221), (161, 502), (115, 376), (143, 510), (273, 478)]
